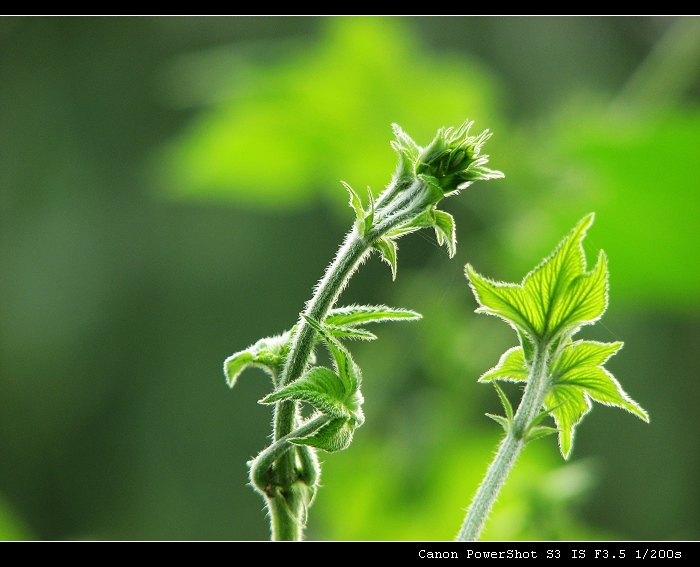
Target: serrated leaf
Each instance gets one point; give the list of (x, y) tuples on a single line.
[(504, 300), (445, 231), (387, 248), (580, 364), (510, 367), (556, 298), (578, 377), (322, 388), (352, 315), (336, 435)]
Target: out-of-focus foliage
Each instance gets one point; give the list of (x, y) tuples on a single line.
[(283, 131), (11, 527), (408, 500), (641, 175)]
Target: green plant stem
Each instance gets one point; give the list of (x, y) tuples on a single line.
[(287, 506), (286, 474), (530, 407), (285, 515)]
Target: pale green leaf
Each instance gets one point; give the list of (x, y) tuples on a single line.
[(571, 405), (563, 294), (555, 298), (580, 364), (504, 300), (369, 220), (404, 145), (540, 416), (387, 248), (510, 367), (352, 315), (356, 205), (445, 231), (403, 230), (528, 347), (583, 303), (235, 364)]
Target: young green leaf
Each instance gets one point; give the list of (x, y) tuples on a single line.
[(505, 401), (445, 231), (539, 432), (356, 205), (268, 354), (353, 315), (369, 219), (346, 369), (347, 332), (322, 388), (553, 300), (502, 421), (404, 145), (579, 377), (510, 367), (387, 248), (507, 421)]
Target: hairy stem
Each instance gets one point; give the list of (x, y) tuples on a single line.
[(287, 504), (530, 406), (351, 254)]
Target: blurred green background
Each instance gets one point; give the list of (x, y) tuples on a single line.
[(170, 192)]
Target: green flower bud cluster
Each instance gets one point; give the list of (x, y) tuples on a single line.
[(423, 177), (453, 159), (451, 162)]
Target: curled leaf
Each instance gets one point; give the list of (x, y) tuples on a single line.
[(336, 435), (387, 248), (445, 231), (268, 354)]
